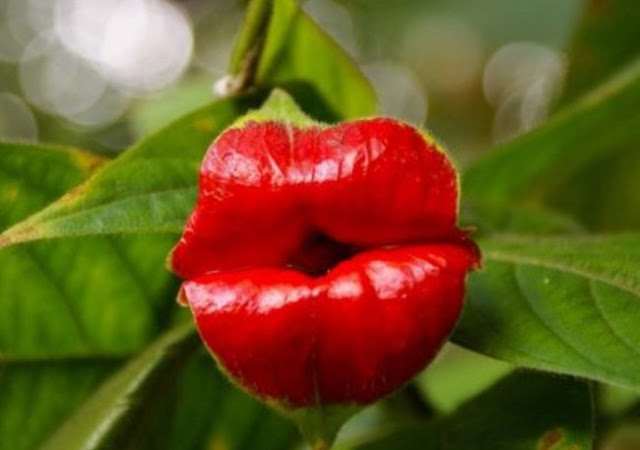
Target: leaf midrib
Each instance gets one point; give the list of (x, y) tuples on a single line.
[(502, 256), (26, 231)]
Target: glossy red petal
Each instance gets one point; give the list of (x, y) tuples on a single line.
[(351, 336), (244, 216), (379, 182), (266, 187)]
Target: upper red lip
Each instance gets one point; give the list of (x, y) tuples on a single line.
[(274, 198)]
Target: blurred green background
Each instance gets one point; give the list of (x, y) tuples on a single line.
[(101, 73)]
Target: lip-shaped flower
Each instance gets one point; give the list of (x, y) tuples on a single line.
[(323, 264)]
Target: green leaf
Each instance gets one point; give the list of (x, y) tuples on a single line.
[(606, 40), (151, 188), (206, 411), (85, 296), (491, 218), (525, 410), (567, 304), (457, 375), (114, 414), (33, 175), (601, 123), (35, 395), (172, 397), (73, 298), (279, 45), (69, 310)]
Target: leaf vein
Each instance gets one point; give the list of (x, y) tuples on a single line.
[(532, 307), (62, 293), (515, 259), (598, 306)]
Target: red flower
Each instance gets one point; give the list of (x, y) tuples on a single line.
[(323, 265)]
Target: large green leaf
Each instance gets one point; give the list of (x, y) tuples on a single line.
[(526, 410), (568, 304), (151, 188), (69, 310), (38, 387), (169, 397), (206, 411), (76, 298), (79, 297), (36, 395), (279, 45), (603, 122), (114, 416)]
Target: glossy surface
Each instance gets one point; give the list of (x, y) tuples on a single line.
[(353, 335), (324, 264), (265, 188)]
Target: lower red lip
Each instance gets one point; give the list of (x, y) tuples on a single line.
[(362, 330), (367, 210)]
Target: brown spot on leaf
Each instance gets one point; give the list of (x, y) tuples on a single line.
[(550, 439), (11, 193), (205, 125), (89, 162), (599, 4)]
